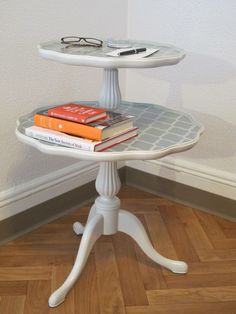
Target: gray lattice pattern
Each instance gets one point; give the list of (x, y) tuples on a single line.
[(159, 127)]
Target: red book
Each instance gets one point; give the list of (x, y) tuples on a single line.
[(77, 113)]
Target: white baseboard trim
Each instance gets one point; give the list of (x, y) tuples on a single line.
[(32, 193), (39, 190), (188, 174), (25, 196)]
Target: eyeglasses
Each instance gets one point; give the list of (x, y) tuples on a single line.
[(71, 41)]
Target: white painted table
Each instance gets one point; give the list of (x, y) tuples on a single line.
[(162, 131)]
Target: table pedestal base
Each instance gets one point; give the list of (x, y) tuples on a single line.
[(106, 217)]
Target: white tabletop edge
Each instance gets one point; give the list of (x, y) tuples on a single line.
[(108, 156), (110, 62)]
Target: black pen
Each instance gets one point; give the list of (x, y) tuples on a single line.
[(132, 52)]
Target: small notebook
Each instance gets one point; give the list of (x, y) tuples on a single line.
[(144, 54)]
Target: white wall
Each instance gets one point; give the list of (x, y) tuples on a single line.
[(27, 81), (204, 83)]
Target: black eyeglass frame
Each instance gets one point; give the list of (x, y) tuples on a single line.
[(76, 41)]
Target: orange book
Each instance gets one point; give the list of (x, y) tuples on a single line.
[(115, 123)]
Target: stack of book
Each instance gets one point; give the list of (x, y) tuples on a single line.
[(82, 127)]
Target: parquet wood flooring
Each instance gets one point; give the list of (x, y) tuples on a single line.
[(118, 277)]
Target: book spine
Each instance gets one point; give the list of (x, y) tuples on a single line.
[(59, 139), (68, 127)]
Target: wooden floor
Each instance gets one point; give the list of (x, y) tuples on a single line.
[(118, 278)]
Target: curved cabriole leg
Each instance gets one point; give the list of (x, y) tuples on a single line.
[(78, 227), (93, 230), (130, 224)]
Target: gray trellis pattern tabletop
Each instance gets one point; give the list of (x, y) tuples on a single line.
[(159, 127)]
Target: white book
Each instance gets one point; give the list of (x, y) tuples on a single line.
[(76, 142)]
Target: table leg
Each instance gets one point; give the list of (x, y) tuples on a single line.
[(92, 231), (130, 224), (110, 97), (78, 227), (102, 219)]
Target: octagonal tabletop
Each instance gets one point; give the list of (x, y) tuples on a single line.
[(162, 131)]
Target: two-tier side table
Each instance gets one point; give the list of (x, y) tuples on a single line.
[(162, 131)]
